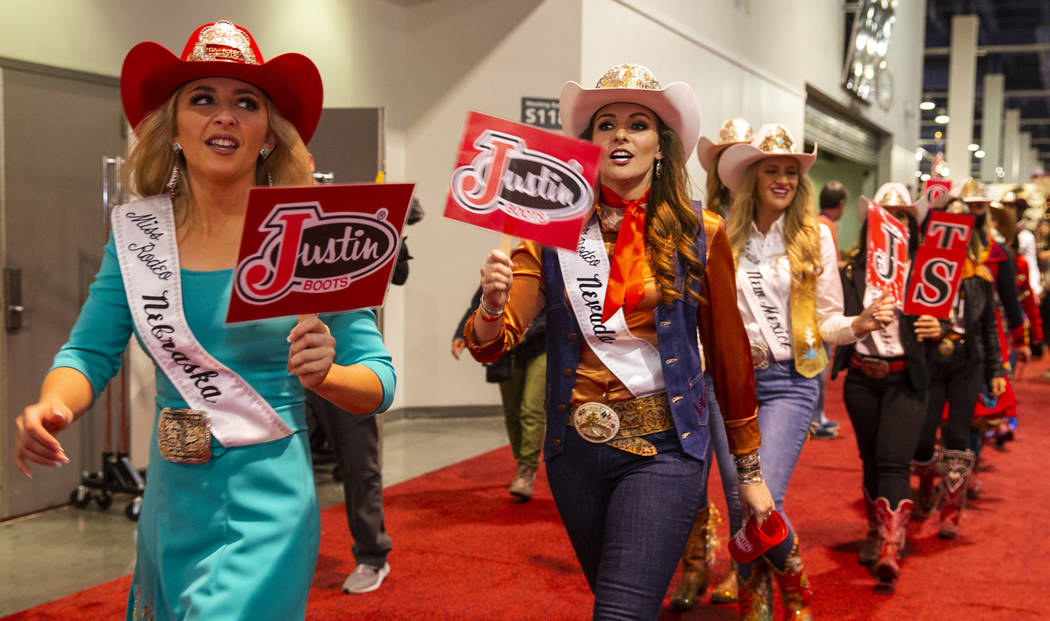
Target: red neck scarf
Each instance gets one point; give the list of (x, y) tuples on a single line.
[(626, 274)]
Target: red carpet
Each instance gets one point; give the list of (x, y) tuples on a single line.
[(462, 551)]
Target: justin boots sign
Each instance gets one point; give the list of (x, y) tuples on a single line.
[(317, 249)]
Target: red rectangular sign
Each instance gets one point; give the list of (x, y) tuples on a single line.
[(523, 181), (935, 277), (934, 188), (949, 231), (317, 249), (887, 253)]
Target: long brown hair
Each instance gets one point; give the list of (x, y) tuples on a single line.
[(151, 159), (671, 222), (801, 230)]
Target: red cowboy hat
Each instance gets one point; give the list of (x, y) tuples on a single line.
[(221, 49)]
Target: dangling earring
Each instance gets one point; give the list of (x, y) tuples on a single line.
[(264, 153), (269, 180), (659, 168), (173, 182)]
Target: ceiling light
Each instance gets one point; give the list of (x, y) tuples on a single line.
[(945, 172), (973, 146), (918, 173), (927, 105), (942, 119), (925, 177), (979, 154), (918, 154)]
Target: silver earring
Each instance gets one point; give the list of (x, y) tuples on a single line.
[(659, 168), (176, 147), (173, 182), (264, 153)]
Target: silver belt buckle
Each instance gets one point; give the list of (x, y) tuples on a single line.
[(184, 436), (596, 422), (760, 356)]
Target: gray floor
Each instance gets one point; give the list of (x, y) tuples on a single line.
[(55, 553)]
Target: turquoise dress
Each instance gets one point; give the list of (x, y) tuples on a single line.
[(236, 537)]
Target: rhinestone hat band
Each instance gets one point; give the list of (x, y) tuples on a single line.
[(223, 41), (629, 76)]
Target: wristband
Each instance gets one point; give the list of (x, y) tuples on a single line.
[(486, 313)]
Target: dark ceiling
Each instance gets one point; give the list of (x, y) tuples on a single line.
[(1024, 26)]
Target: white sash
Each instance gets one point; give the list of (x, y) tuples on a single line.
[(635, 361), (144, 235), (774, 324)]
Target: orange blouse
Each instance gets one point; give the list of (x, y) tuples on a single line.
[(727, 351)]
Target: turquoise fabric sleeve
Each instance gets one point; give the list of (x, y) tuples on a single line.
[(358, 341), (103, 328)]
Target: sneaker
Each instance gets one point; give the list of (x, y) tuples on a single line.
[(365, 578), (830, 424), (820, 432), (521, 486)]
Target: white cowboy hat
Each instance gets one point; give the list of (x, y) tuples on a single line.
[(675, 103), (772, 140), (894, 194), (734, 131)]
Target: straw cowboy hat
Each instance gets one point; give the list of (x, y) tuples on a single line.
[(894, 194), (972, 191), (734, 131), (151, 74), (772, 140), (675, 103)]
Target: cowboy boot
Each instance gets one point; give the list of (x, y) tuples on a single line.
[(694, 566), (892, 534), (795, 591), (726, 591), (755, 595), (956, 466), (869, 550), (926, 497)]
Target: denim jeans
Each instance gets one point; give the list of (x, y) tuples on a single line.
[(785, 406), (628, 517)]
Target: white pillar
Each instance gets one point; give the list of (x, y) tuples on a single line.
[(992, 126), (962, 82), (1011, 161), (1024, 168)]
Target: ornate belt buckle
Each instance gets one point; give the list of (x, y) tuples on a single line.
[(184, 436), (596, 422), (759, 356), (945, 347), (874, 367)]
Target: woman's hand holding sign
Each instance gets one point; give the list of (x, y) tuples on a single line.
[(876, 316), (497, 274), (311, 352), (928, 327)]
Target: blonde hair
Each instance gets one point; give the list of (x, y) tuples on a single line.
[(671, 222), (151, 160), (801, 229)]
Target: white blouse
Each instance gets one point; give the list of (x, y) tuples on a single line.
[(764, 267)]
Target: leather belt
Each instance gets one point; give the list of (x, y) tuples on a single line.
[(637, 417), (876, 367)]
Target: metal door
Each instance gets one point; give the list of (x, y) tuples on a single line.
[(55, 128)]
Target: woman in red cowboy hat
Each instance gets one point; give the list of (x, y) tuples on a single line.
[(790, 299), (229, 527), (702, 539), (627, 429), (885, 394)]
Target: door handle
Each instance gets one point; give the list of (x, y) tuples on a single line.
[(13, 295)]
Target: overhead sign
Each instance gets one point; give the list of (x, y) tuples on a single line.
[(523, 181), (317, 249), (541, 112), (887, 265)]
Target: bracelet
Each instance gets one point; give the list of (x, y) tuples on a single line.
[(748, 468), (753, 477), (486, 313)]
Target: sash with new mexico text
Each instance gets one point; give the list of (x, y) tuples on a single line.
[(635, 361), (144, 235)]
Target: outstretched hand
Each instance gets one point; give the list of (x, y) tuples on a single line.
[(35, 436)]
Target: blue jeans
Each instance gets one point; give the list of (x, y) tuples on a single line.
[(628, 517), (819, 416), (785, 405)]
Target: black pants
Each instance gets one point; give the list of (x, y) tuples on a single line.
[(355, 440), (956, 381), (887, 416)]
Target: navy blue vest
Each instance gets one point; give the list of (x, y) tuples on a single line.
[(676, 337)]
